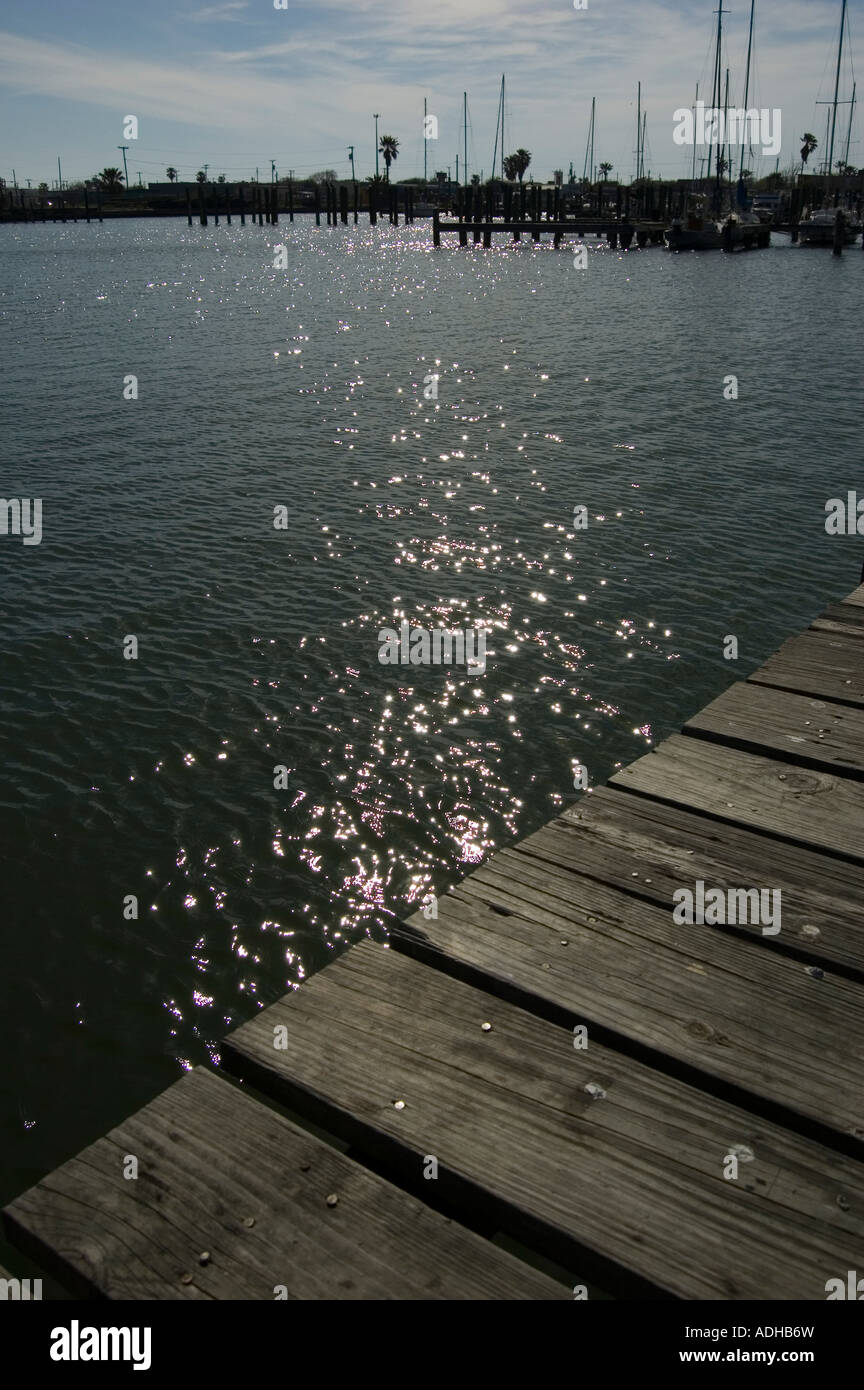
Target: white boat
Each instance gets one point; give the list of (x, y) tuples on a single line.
[(816, 227)]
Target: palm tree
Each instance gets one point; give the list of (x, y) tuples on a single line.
[(807, 148), (516, 164), (200, 177), (606, 170), (172, 173), (111, 180), (389, 147)]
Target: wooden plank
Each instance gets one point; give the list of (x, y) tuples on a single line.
[(693, 1000), (856, 597), (627, 1186), (845, 618), (796, 728), (818, 810), (649, 849), (827, 665), (221, 1173)]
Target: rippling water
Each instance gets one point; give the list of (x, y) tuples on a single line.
[(258, 647)]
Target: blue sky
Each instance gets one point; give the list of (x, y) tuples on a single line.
[(237, 83)]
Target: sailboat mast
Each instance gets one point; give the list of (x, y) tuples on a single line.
[(727, 163), (849, 129), (747, 82), (716, 84), (638, 125), (497, 129), (502, 125), (425, 142), (836, 88), (588, 163), (693, 175), (465, 135)]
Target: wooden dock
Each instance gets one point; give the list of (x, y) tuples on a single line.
[(483, 227), (552, 1084)]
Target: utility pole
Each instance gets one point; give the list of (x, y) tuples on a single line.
[(124, 148), (375, 114), (59, 175)]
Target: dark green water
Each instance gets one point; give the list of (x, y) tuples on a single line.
[(258, 647)]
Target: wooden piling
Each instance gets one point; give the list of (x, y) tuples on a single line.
[(242, 201), (188, 208), (202, 209), (317, 205), (356, 202), (343, 205), (275, 205), (86, 207), (373, 209), (436, 233), (228, 204), (290, 200)]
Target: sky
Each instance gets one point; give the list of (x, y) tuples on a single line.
[(238, 83)]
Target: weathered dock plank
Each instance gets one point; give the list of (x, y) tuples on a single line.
[(826, 665), (222, 1175), (796, 728), (845, 618), (650, 848), (695, 1000), (817, 809), (628, 1185)]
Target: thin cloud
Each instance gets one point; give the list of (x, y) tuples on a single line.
[(215, 12)]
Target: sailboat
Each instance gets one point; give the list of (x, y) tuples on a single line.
[(816, 227), (703, 228)]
